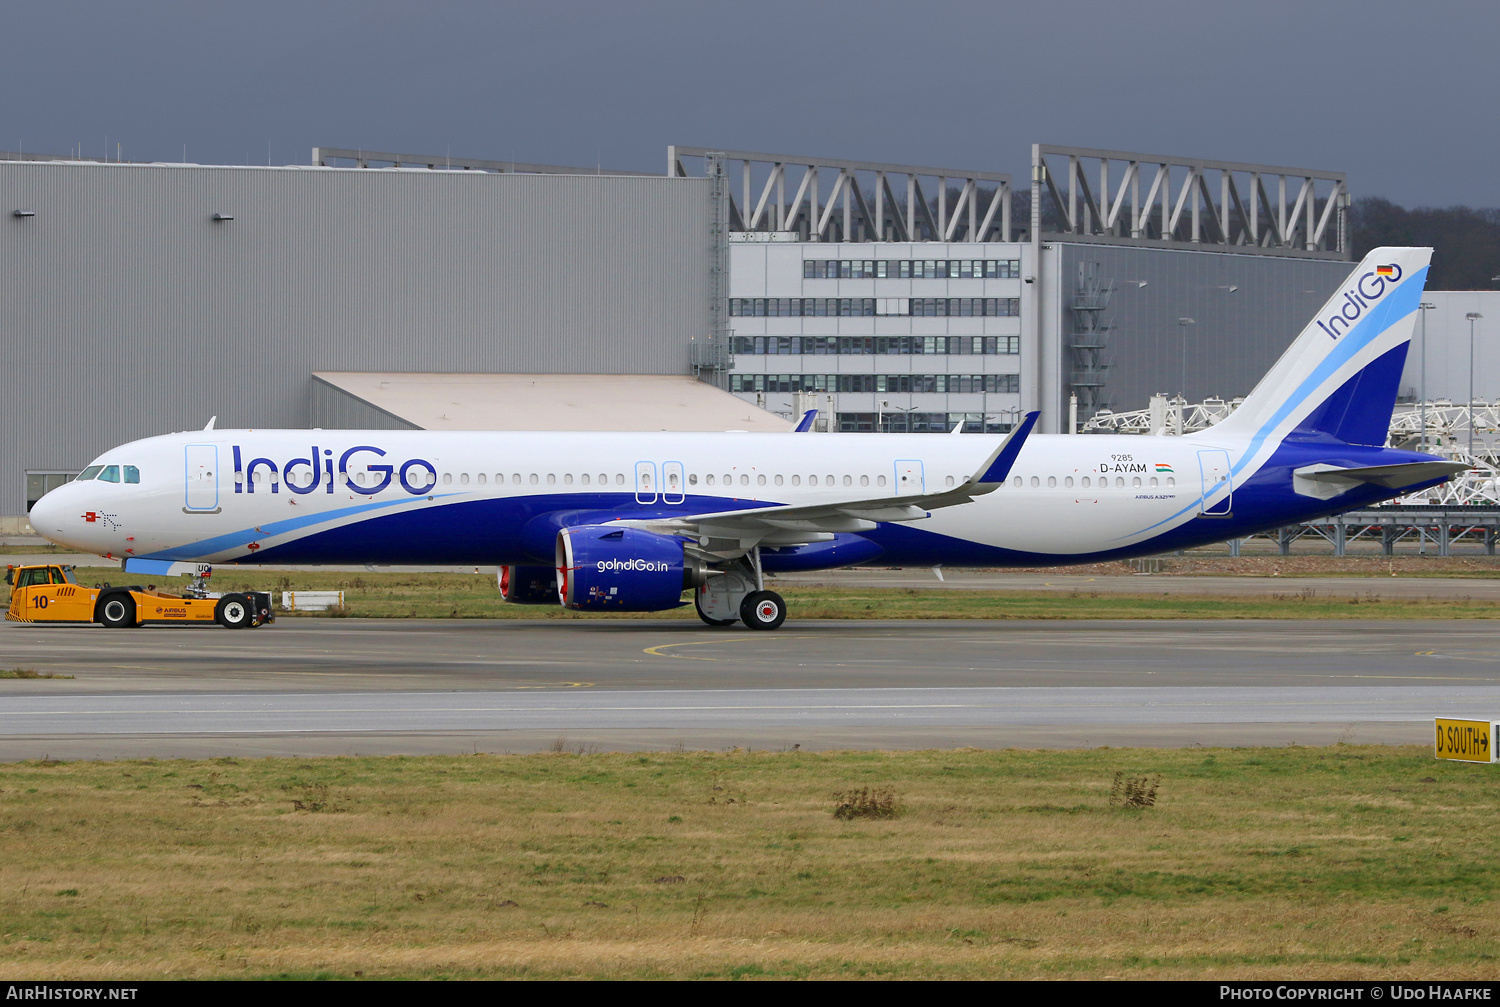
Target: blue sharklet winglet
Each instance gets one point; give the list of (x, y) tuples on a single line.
[(805, 424), (998, 469)]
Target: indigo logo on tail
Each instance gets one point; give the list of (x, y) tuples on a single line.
[(1368, 289)]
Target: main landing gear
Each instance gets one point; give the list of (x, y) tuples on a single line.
[(739, 592)]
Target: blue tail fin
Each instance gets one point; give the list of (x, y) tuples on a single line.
[(1338, 380)]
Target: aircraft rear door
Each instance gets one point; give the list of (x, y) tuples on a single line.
[(1218, 484)]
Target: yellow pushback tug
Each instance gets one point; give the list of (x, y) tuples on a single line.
[(51, 593)]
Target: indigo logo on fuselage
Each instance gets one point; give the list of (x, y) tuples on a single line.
[(416, 475), (1366, 291)]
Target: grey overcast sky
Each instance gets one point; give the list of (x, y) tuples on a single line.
[(1401, 95)]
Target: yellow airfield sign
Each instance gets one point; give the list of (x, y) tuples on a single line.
[(1466, 740)]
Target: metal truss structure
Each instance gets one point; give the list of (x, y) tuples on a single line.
[(326, 157), (865, 201), (1447, 434), (1190, 203)]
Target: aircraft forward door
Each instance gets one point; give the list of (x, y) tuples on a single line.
[(201, 478), (908, 476), (1217, 499)]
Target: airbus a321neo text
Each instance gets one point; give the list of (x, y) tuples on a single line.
[(631, 521)]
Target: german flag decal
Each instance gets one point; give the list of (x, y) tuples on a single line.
[(1386, 271)]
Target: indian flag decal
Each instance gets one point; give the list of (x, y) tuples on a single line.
[(1163, 467)]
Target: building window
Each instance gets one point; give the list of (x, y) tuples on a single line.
[(869, 307), (39, 484)]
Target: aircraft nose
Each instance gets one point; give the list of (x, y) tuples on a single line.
[(47, 516)]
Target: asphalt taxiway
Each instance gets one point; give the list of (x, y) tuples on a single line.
[(375, 686)]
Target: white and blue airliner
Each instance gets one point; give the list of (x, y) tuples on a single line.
[(632, 521)]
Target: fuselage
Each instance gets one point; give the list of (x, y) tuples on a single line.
[(399, 497)]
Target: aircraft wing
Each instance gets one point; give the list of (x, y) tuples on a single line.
[(728, 534)]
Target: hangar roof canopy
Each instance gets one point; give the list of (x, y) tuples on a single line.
[(553, 401)]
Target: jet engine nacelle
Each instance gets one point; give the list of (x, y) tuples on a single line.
[(609, 568), (528, 585)]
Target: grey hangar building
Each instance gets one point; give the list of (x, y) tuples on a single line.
[(735, 291)]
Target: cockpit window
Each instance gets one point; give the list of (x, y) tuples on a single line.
[(132, 474), (92, 472), (111, 474)]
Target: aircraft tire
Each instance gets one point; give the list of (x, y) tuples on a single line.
[(234, 611), (117, 611), (763, 610), (708, 619)]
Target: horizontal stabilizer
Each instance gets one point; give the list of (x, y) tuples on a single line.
[(1328, 481)]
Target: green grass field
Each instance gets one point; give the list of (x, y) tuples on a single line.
[(474, 596), (1349, 862)]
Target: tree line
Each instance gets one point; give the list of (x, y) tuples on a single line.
[(1465, 241)]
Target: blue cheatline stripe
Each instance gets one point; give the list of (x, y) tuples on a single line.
[(243, 537), (1401, 303)]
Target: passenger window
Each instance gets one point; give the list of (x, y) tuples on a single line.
[(584, 479), (568, 479), (603, 479), (551, 479), (1153, 481), (1171, 481), (828, 480), (132, 474), (812, 480), (447, 478), (111, 474), (760, 480), (1017, 482), (464, 479), (515, 478), (848, 481), (880, 480), (1085, 482), (865, 480), (1136, 481), (729, 480), (1068, 481), (619, 479), (1119, 482), (1051, 482), (709, 479), (359, 477), (481, 478), (796, 480), (92, 472), (534, 479), (744, 480), (1036, 481), (778, 480)]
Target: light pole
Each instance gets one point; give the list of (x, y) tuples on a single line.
[(1473, 317), (1425, 307), (1182, 325)]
